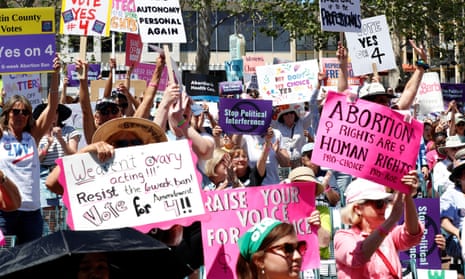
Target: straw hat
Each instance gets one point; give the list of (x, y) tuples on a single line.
[(146, 130), (305, 174)]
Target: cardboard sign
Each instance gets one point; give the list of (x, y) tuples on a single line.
[(426, 254), (340, 16), (97, 88), (245, 116), (288, 83), (27, 40), (367, 140), (85, 18), (429, 94), (160, 21), (234, 211), (153, 185), (24, 85), (134, 47), (371, 46), (124, 17)]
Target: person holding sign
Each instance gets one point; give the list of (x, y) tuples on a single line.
[(375, 92), (270, 249), (370, 247), (21, 133)]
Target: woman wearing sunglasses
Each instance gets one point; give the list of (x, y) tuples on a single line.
[(370, 247), (271, 250)]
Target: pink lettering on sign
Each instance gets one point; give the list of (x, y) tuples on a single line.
[(367, 140)]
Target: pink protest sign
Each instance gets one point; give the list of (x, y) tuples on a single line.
[(367, 140), (234, 211)]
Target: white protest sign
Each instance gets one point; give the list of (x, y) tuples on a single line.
[(27, 85), (429, 94), (87, 18), (340, 16), (288, 83), (160, 21), (154, 185), (372, 45)]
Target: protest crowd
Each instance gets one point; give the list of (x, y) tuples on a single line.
[(334, 185)]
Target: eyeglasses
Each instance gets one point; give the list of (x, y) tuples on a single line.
[(24, 112), (125, 143), (378, 204), (111, 110), (289, 248)]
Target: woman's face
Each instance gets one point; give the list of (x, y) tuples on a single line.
[(289, 118), (124, 139), (18, 116), (221, 169), (240, 160), (373, 211), (281, 264)]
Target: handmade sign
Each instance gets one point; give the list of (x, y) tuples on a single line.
[(154, 185), (367, 140), (24, 85), (245, 116), (160, 21), (86, 18), (27, 40), (371, 46), (429, 94), (124, 17), (426, 254), (340, 15), (288, 83), (234, 211)]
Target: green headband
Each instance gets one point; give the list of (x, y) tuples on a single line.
[(253, 237)]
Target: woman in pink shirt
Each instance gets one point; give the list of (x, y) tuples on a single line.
[(370, 247)]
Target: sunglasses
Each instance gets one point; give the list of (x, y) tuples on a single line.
[(289, 248), (125, 143), (24, 112), (112, 110), (378, 204)]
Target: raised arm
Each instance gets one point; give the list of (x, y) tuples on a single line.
[(149, 95), (88, 121), (44, 122), (408, 95)]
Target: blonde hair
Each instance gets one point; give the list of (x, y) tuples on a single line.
[(349, 216)]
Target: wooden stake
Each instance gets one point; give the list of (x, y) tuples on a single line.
[(82, 53)]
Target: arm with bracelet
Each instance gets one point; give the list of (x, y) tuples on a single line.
[(408, 95), (143, 110)]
